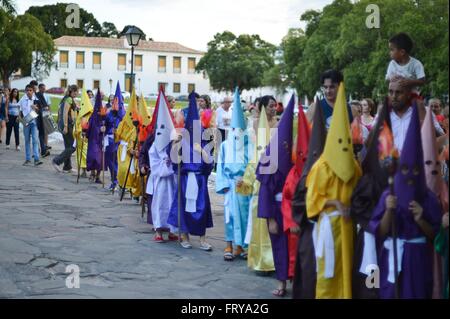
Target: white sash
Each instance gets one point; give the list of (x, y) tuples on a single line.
[(389, 245), (191, 193), (132, 168), (123, 155), (324, 242), (369, 254), (279, 197), (106, 141)]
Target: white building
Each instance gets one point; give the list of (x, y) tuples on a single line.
[(100, 62)]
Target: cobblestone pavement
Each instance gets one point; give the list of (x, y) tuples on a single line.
[(48, 221)]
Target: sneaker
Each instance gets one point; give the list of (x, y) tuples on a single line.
[(112, 187), (186, 245), (18, 148), (7, 147), (47, 153), (55, 166), (205, 246), (158, 239), (49, 147), (98, 181), (38, 162), (27, 162), (68, 171)]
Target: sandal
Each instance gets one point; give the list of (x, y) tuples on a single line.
[(279, 292), (240, 252), (228, 255)]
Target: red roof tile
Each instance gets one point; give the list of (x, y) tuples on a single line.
[(111, 43)]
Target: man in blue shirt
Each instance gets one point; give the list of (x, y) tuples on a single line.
[(330, 83)]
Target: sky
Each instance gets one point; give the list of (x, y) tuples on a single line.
[(193, 23)]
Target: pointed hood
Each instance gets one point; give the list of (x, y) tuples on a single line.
[(316, 142), (409, 180), (262, 135), (192, 161), (431, 158), (118, 96), (98, 102), (85, 105), (143, 111), (237, 116), (282, 157), (164, 125), (132, 111), (303, 136), (371, 163), (118, 104), (338, 152), (160, 100)]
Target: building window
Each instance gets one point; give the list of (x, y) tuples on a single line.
[(164, 85), (63, 83), (121, 62), (96, 60), (176, 88), (80, 84), (63, 59), (191, 65), (176, 64), (161, 64), (96, 84), (80, 60), (138, 63), (191, 87)]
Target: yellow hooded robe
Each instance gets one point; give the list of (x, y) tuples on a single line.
[(333, 177)]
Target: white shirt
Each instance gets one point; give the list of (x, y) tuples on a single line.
[(400, 127), (223, 118), (412, 70), (26, 103)]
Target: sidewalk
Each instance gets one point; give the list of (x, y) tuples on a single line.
[(48, 221)]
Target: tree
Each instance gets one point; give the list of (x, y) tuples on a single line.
[(237, 61), (23, 42), (53, 18), (8, 5), (339, 38), (109, 30)]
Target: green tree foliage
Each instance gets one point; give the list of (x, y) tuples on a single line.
[(20, 37), (338, 37), (109, 30), (53, 18), (8, 6), (237, 61)]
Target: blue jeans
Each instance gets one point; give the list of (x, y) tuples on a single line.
[(31, 131)]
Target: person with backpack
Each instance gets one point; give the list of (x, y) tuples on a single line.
[(66, 117)]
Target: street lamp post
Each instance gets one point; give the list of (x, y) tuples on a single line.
[(110, 86), (133, 36)]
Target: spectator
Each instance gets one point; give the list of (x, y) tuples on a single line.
[(12, 118), (27, 107)]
